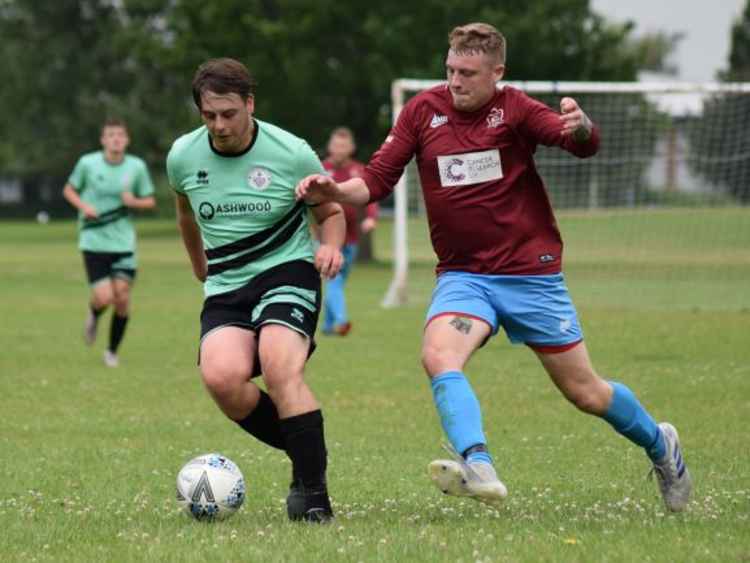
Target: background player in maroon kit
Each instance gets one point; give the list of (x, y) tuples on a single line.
[(340, 164), (499, 254)]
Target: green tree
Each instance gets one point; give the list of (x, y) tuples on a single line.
[(739, 54), (319, 64), (723, 138)]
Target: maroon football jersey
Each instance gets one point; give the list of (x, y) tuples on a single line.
[(487, 207)]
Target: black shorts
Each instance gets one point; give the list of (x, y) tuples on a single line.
[(288, 294), (104, 265)]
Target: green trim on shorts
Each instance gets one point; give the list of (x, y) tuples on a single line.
[(306, 294), (286, 299)]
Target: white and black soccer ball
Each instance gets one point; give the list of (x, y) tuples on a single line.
[(210, 487)]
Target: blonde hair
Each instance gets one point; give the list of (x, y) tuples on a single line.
[(478, 37)]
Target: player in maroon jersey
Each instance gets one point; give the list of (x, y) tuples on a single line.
[(499, 254), (342, 167)]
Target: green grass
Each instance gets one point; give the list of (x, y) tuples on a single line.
[(89, 455)]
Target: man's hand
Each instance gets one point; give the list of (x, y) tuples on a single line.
[(89, 211), (201, 271), (317, 188), (328, 260), (575, 121), (368, 224), (129, 199)]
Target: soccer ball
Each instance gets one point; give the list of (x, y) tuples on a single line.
[(210, 487)]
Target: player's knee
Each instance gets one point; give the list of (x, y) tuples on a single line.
[(122, 304), (223, 380), (436, 360), (102, 298), (284, 390)]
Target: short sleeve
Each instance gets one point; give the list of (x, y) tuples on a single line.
[(308, 162), (173, 172), (144, 187), (77, 178)]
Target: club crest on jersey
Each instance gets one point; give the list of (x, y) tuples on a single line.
[(438, 120), (495, 118), (259, 178)]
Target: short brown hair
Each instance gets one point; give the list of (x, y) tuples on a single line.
[(343, 132), (222, 76), (478, 37), (114, 122)]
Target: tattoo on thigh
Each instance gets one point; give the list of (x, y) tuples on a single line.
[(461, 324)]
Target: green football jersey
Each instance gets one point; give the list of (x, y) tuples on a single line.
[(101, 184), (244, 204)]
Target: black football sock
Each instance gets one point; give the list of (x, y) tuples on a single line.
[(97, 312), (117, 331), (306, 446), (263, 423)]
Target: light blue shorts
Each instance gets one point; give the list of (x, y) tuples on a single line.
[(533, 310)]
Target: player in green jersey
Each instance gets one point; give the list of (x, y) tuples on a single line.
[(104, 186), (249, 241)]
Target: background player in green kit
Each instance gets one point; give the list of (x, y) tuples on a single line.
[(104, 186), (249, 241)]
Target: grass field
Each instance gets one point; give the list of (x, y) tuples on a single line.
[(88, 455)]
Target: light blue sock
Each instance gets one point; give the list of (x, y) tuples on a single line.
[(628, 417), (460, 414)]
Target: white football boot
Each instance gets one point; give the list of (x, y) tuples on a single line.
[(672, 474), (110, 359), (476, 480)]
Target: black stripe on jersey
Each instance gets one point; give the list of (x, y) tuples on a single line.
[(106, 218), (243, 259), (254, 239)]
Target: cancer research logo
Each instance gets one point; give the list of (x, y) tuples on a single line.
[(259, 178), (495, 118), (453, 170), (469, 168), (438, 120)]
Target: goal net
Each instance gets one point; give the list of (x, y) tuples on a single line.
[(673, 158)]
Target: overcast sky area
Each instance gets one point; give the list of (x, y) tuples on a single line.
[(706, 23)]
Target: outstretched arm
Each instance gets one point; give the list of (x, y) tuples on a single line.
[(319, 188), (332, 232), (191, 237), (571, 130)]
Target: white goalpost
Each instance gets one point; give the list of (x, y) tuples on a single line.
[(670, 144)]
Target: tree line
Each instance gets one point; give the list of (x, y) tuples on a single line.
[(319, 63)]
